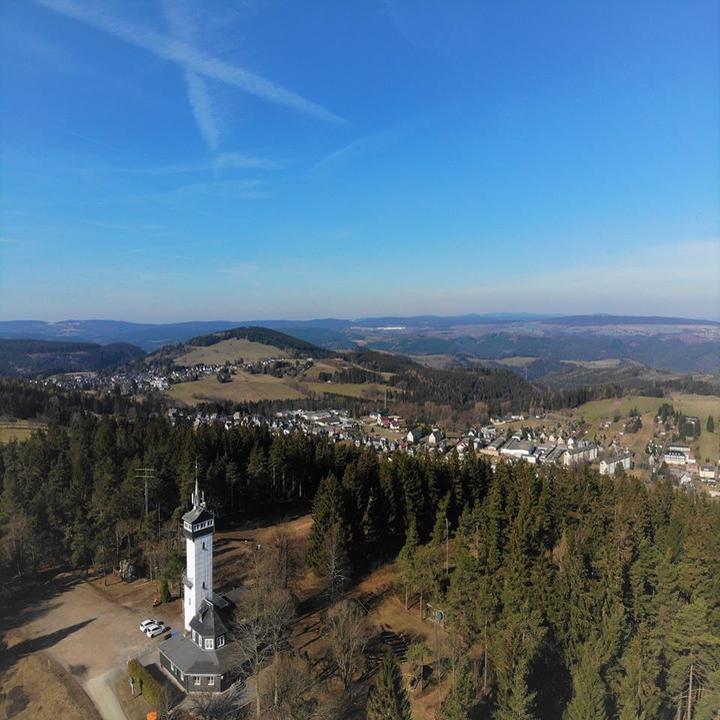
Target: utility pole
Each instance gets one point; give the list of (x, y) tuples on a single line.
[(447, 546), (145, 474)]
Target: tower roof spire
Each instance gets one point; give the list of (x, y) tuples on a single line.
[(196, 496)]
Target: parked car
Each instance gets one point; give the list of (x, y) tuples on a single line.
[(157, 629), (145, 624)]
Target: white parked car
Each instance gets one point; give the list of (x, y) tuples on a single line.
[(156, 629), (145, 624)]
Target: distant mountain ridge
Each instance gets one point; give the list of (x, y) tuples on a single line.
[(28, 358), (683, 345), (330, 332)]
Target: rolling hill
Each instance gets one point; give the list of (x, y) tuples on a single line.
[(670, 344), (28, 358)]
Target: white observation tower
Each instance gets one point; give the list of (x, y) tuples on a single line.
[(198, 529)]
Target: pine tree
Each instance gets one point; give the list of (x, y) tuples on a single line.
[(327, 512), (640, 691), (461, 698), (388, 698), (588, 700), (710, 427), (407, 561), (516, 647), (694, 653)]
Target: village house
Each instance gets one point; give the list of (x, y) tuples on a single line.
[(415, 435), (580, 452), (708, 473), (609, 465), (677, 455), (517, 449)]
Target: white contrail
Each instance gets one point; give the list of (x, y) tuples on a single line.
[(199, 98), (183, 27), (190, 58)]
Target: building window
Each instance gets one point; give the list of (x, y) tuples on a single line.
[(203, 545), (211, 680), (209, 643), (197, 679), (221, 641)]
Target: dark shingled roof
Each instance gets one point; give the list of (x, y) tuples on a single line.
[(191, 660), (207, 621), (197, 514)]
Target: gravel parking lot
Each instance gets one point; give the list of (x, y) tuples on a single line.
[(92, 637)]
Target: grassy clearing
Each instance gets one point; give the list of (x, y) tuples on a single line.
[(517, 361), (230, 350), (18, 430), (244, 388), (363, 390)]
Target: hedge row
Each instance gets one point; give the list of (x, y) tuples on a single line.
[(148, 686)]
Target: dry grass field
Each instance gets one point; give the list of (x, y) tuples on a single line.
[(229, 350), (36, 686), (243, 388), (18, 429)]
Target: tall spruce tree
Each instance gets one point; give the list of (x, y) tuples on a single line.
[(327, 513), (461, 698), (588, 700), (388, 699)]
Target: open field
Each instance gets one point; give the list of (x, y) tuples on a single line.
[(243, 388), (517, 361), (246, 387), (369, 391), (229, 350), (706, 447), (18, 429)]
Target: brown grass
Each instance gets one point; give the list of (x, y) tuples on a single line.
[(35, 687), (230, 350), (243, 388), (18, 429)]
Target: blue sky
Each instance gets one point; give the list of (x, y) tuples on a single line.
[(189, 159)]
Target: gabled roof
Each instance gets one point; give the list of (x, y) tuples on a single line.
[(207, 621)]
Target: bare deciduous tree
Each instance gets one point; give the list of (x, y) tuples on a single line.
[(215, 706), (348, 635), (290, 686), (334, 563), (262, 622)]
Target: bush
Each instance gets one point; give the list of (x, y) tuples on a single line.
[(148, 686), (165, 596)]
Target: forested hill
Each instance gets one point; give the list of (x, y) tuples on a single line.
[(262, 335), (28, 358), (573, 595)]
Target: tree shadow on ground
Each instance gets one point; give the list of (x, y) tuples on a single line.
[(25, 599), (9, 656)]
